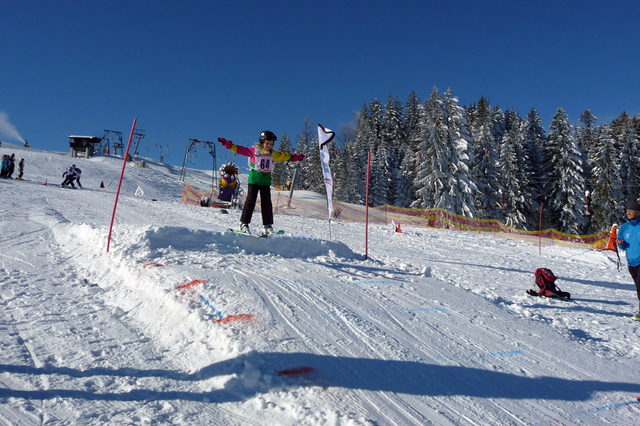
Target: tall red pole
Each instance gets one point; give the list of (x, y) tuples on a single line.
[(366, 216), (124, 163), (540, 231)]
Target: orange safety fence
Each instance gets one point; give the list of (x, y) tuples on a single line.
[(418, 218), (192, 196)]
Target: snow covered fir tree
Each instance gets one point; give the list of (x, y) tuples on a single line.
[(480, 161)]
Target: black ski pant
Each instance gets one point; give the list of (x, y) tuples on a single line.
[(68, 182), (265, 204), (635, 274)]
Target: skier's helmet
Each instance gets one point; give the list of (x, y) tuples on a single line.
[(70, 168), (267, 136)]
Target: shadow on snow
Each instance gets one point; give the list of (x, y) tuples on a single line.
[(405, 377)]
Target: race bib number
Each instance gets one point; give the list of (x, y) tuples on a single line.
[(264, 161)]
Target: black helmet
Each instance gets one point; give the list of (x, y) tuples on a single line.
[(267, 136)]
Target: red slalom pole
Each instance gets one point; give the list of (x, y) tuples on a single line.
[(124, 163), (366, 215)]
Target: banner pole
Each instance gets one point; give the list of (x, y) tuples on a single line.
[(124, 164), (325, 136)]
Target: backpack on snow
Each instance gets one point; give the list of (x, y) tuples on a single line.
[(546, 282)]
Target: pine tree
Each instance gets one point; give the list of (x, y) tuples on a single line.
[(362, 147), (403, 188), (380, 188), (392, 126), (533, 140), (484, 160), (314, 177), (564, 185), (413, 115), (413, 119), (444, 157), (282, 172), (627, 141), (607, 198), (514, 179), (304, 148), (346, 175), (588, 132)]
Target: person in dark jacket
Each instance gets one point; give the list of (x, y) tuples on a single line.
[(78, 173), (69, 176), (629, 241), (20, 168), (12, 165)]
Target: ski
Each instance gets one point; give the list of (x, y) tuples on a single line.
[(534, 294), (263, 235), (259, 235), (244, 233)]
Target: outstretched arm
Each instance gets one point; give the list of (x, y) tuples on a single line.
[(236, 149), (283, 156)]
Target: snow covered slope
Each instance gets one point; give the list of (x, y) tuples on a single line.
[(433, 328)]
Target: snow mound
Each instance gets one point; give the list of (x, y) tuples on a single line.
[(162, 239)]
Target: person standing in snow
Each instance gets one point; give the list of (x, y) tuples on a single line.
[(12, 165), (261, 161), (629, 241), (20, 168), (5, 166), (78, 173)]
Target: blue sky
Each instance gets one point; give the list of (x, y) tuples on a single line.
[(203, 69)]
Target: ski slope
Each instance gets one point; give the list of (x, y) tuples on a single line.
[(434, 327)]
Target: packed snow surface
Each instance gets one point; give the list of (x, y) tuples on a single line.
[(432, 327)]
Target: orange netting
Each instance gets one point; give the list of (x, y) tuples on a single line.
[(424, 218)]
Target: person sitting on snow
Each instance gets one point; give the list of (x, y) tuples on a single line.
[(69, 176)]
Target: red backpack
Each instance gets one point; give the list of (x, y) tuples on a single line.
[(546, 282)]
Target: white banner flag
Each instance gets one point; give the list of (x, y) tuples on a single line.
[(139, 192), (324, 137)]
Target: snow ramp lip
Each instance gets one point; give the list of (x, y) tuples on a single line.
[(286, 246)]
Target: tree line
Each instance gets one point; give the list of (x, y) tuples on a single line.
[(478, 161)]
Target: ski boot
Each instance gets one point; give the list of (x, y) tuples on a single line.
[(268, 229), (244, 228)]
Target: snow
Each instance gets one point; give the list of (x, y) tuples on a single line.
[(434, 327)]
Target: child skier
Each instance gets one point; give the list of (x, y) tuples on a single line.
[(261, 161), (20, 168), (69, 176)]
